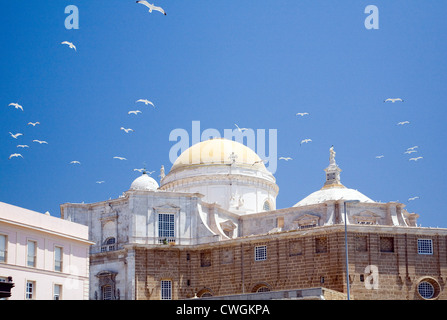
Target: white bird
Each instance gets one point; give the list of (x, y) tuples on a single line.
[(146, 102), (16, 135), (305, 141), (127, 130), (22, 146), (284, 158), (40, 141), (240, 129), (75, 162), (150, 172), (415, 159), (152, 7), (33, 123), (413, 198), (135, 112), (71, 45), (16, 155), (139, 170), (412, 148), (410, 151), (393, 100), (16, 105), (99, 182), (119, 158), (302, 113), (402, 123), (379, 157)]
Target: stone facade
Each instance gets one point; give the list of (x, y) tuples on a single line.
[(299, 259), (171, 242)]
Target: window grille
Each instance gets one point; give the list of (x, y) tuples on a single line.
[(166, 290), (260, 253), (425, 246), (386, 244), (426, 290), (107, 292)]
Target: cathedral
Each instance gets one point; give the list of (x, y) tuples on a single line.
[(210, 229)]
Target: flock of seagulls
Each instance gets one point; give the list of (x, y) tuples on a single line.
[(19, 134), (70, 45), (152, 8), (73, 162)]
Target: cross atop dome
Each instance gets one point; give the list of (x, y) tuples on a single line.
[(332, 172)]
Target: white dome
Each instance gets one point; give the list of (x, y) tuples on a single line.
[(335, 194), (225, 172), (144, 182)]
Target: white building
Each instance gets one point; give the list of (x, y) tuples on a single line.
[(47, 257), (217, 190)]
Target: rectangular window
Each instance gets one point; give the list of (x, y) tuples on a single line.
[(205, 258), (3, 243), (31, 254), (425, 246), (58, 259), (260, 253), (166, 290), (107, 292), (166, 227), (321, 245), (386, 244), (57, 293), (30, 289)]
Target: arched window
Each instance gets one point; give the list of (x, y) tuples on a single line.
[(267, 206), (109, 244)]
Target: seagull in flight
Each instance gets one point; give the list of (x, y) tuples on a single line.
[(412, 148), (305, 141), (393, 100), (139, 170), (152, 7), (75, 162), (40, 141), (126, 130), (15, 155), (135, 112), (71, 45), (33, 123), (22, 146), (302, 113), (16, 135), (16, 105), (119, 158), (415, 159), (379, 157), (284, 158), (413, 198), (146, 102), (409, 151), (99, 182), (240, 129), (403, 122)]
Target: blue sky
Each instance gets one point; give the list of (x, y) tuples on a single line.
[(254, 63)]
